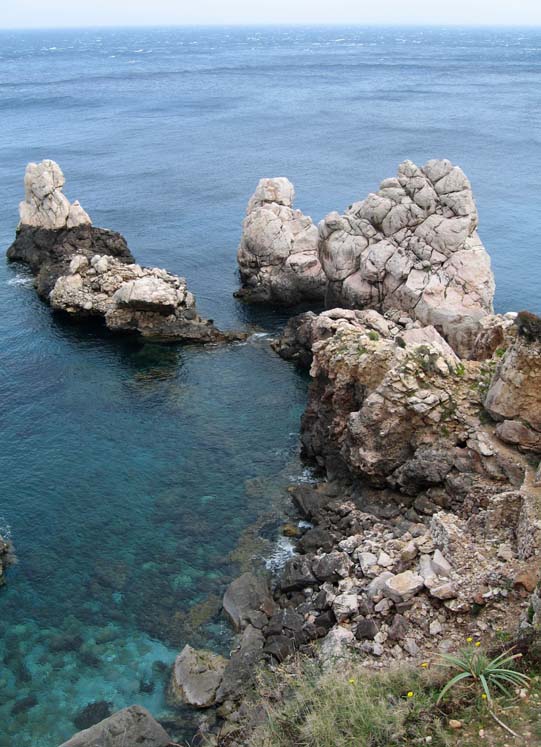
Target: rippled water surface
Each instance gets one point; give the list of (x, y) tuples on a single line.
[(131, 472)]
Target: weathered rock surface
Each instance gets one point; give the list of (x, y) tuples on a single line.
[(514, 396), (197, 675), (45, 206), (247, 598), (130, 726), (88, 271), (413, 246), (278, 252)]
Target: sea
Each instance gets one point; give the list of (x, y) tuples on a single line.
[(136, 479)]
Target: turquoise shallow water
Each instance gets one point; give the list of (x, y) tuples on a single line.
[(129, 472)]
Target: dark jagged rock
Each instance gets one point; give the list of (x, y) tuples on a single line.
[(48, 252)]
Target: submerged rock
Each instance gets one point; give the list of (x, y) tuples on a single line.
[(278, 252), (130, 726), (6, 558), (87, 271)]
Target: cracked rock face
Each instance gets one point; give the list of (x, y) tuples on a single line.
[(413, 246), (149, 301), (278, 252)]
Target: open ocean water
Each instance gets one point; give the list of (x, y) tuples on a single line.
[(130, 472)]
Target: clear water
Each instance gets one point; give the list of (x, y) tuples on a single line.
[(128, 472)]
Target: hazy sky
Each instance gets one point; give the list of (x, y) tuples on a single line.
[(54, 13)]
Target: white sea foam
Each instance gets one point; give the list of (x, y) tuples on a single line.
[(24, 280), (280, 554)]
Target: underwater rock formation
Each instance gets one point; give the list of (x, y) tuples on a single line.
[(87, 271), (412, 246), (5, 558), (278, 252)]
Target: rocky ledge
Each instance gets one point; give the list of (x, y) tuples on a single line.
[(411, 246), (86, 271), (426, 526)]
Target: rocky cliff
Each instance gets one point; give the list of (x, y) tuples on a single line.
[(411, 246), (86, 271)]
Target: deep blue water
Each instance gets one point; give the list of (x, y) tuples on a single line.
[(129, 472)]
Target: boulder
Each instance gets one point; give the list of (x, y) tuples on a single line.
[(278, 252), (297, 574), (147, 301), (245, 597), (345, 605), (197, 675), (130, 726), (403, 586)]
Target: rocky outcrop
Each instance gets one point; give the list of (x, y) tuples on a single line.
[(87, 271), (278, 252), (130, 726), (52, 230), (130, 298), (412, 246), (514, 396)]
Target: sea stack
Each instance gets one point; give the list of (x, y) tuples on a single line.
[(86, 271), (278, 252), (412, 247)]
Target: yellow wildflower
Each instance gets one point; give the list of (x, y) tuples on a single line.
[(477, 643), (424, 664), (410, 694), (351, 681), (484, 696), (469, 639)]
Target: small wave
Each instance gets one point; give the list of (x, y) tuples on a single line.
[(5, 529), (24, 280), (306, 477), (280, 554)]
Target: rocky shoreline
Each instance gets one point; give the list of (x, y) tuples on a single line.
[(423, 424)]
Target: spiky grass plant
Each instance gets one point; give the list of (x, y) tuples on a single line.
[(488, 677)]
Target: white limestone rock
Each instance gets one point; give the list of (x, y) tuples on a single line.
[(45, 206), (197, 675)]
